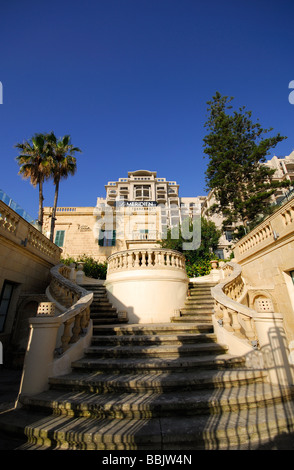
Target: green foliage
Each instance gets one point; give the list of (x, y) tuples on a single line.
[(44, 157), (34, 165), (236, 148), (197, 261), (198, 267), (92, 268)]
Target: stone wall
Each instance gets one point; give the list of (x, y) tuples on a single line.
[(26, 257), (266, 255)]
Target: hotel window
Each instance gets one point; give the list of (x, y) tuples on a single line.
[(107, 238), (59, 238), (229, 235), (5, 299), (142, 192)]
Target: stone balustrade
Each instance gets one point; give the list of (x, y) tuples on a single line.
[(66, 209), (233, 315), (275, 228), (22, 233), (76, 300), (149, 258), (58, 335), (8, 219), (257, 333), (151, 235), (148, 283)]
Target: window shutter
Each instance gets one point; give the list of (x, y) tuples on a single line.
[(59, 238)]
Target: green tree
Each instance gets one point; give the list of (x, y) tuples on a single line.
[(62, 165), (35, 165), (197, 261), (237, 149)]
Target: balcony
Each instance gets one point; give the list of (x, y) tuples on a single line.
[(150, 235), (149, 284)]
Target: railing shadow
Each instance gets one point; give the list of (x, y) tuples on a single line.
[(187, 402)]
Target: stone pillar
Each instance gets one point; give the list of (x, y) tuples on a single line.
[(40, 354), (273, 345), (80, 275)]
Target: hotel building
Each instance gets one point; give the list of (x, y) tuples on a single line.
[(138, 209)]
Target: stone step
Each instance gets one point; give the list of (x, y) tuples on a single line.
[(246, 429), (151, 351), (143, 365), (200, 316), (194, 300), (106, 310), (196, 285), (201, 287), (200, 290), (103, 320), (153, 339), (150, 405), (98, 382), (152, 329), (191, 318), (197, 308)]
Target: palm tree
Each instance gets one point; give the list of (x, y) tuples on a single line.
[(34, 165), (62, 163)]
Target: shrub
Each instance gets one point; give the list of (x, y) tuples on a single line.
[(92, 268), (198, 268)]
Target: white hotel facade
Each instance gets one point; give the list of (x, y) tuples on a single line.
[(138, 209)]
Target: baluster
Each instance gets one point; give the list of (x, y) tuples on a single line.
[(160, 261), (236, 324), (249, 332), (227, 320), (137, 260), (76, 328), (156, 260), (65, 338)]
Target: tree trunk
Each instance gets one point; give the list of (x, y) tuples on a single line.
[(40, 215), (54, 210)]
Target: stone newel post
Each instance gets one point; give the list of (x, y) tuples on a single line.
[(273, 343)]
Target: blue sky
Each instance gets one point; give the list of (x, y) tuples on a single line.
[(129, 81)]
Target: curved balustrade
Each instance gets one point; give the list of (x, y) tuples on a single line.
[(76, 300), (258, 334), (234, 316), (21, 232), (57, 339), (150, 258), (275, 228)]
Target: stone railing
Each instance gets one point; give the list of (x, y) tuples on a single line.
[(149, 284), (66, 209), (75, 300), (22, 233), (59, 332), (273, 230), (149, 258), (257, 334), (229, 312), (152, 235)]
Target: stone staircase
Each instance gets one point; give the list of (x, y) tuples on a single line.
[(198, 306), (156, 387), (102, 311)]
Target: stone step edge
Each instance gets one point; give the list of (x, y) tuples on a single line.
[(158, 433), (195, 380), (120, 330), (197, 348), (151, 405), (156, 339), (142, 365)]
